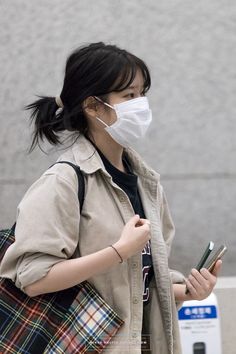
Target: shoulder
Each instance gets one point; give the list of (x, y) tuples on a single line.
[(58, 182), (61, 170), (61, 173)]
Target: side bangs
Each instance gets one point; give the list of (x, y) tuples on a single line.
[(125, 71)]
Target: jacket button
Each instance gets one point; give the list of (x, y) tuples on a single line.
[(134, 265), (134, 335), (135, 300), (122, 199)]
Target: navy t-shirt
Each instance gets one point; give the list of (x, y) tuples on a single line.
[(129, 183)]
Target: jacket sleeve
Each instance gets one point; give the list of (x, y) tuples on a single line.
[(168, 230), (47, 227)]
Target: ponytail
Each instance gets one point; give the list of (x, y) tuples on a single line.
[(47, 119)]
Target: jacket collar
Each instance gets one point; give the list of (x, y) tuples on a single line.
[(88, 159)]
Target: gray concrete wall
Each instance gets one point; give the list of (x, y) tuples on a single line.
[(190, 47)]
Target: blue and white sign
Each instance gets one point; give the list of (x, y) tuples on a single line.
[(200, 327), (197, 312)]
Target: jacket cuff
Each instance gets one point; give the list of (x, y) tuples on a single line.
[(177, 278)]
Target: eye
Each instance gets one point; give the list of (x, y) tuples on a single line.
[(129, 95)]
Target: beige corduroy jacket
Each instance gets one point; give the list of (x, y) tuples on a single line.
[(50, 229)]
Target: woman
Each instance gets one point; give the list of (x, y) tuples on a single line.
[(124, 231)]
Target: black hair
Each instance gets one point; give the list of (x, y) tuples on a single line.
[(93, 70)]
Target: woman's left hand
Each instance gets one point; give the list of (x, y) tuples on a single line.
[(200, 284)]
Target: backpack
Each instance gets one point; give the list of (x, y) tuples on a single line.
[(70, 321)]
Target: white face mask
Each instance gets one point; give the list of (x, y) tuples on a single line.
[(133, 120)]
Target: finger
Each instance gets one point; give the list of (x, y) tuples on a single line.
[(203, 282), (145, 227), (134, 220), (217, 268), (212, 275), (196, 279), (211, 278), (197, 291), (206, 274), (197, 275), (145, 221), (191, 288)]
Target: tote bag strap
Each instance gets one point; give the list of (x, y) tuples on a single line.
[(81, 184)]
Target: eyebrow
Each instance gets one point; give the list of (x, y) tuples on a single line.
[(132, 87)]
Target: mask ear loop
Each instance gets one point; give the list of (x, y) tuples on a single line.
[(102, 122), (105, 103)]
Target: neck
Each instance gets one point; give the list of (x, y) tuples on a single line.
[(110, 149)]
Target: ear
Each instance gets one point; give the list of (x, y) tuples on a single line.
[(90, 106)]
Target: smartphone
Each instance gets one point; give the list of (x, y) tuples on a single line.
[(206, 254), (218, 255), (211, 263)]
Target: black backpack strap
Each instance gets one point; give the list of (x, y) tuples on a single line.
[(81, 184)]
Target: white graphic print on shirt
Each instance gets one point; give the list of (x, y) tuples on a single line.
[(147, 264)]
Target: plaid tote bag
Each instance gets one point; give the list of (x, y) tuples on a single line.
[(71, 321)]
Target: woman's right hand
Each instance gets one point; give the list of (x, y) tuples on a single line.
[(135, 235)]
